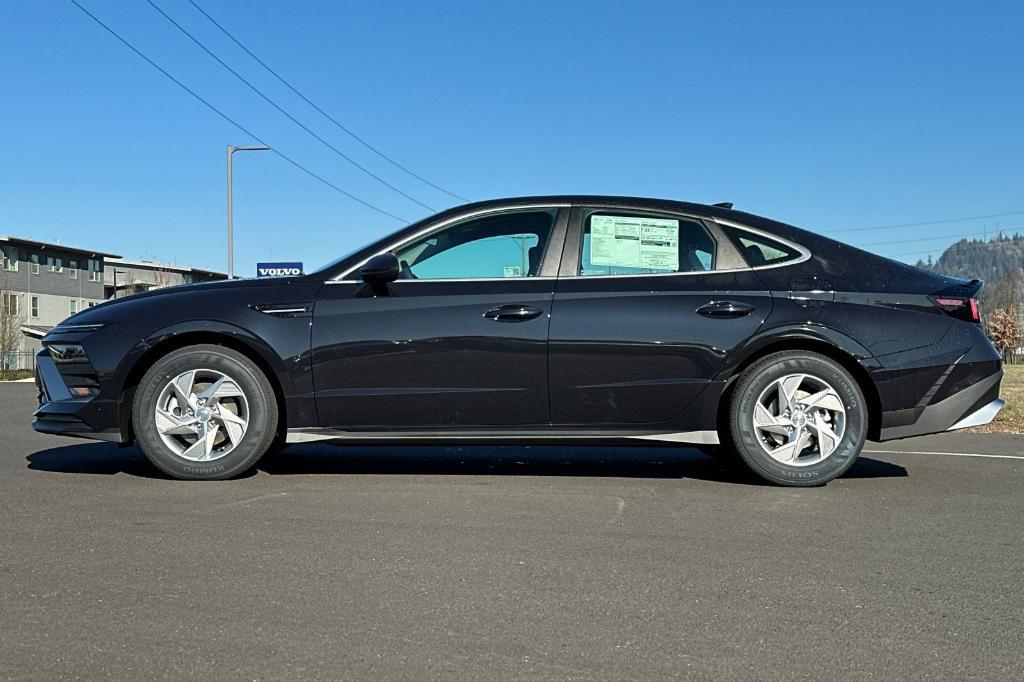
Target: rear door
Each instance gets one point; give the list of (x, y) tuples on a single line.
[(647, 307)]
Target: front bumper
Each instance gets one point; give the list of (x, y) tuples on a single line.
[(62, 414), (97, 415)]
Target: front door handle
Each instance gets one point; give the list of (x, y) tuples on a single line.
[(513, 313), (723, 309)]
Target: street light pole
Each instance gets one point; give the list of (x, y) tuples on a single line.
[(231, 215)]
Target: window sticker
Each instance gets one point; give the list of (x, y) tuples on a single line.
[(513, 271), (634, 242)]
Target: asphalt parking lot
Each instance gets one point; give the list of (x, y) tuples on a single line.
[(502, 561)]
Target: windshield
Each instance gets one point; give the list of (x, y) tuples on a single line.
[(334, 263)]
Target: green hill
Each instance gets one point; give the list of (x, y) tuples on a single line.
[(976, 258), (999, 261)]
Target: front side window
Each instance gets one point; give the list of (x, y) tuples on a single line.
[(507, 245), (644, 244)]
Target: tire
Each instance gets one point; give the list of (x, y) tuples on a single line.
[(204, 393), (824, 432)]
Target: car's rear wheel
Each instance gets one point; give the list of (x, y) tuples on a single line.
[(797, 418), (204, 412)]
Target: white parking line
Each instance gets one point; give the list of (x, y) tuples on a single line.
[(946, 454)]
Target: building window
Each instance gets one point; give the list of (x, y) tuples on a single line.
[(34, 264), (11, 304), (95, 270), (73, 269), (54, 264), (35, 306), (73, 306), (10, 258), (91, 304)]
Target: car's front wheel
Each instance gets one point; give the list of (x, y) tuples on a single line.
[(204, 412), (798, 418)]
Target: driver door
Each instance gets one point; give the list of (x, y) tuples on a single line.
[(459, 341)]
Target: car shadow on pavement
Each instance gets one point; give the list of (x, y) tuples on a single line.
[(89, 457), (477, 460)]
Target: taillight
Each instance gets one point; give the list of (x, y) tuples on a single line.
[(961, 308)]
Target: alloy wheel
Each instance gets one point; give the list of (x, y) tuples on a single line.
[(799, 419), (202, 415)]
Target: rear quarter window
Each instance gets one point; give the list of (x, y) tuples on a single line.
[(759, 250)]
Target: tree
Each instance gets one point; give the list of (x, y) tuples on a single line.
[(11, 319), (1004, 329), (1005, 290), (162, 278)]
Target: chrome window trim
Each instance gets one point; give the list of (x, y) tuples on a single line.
[(659, 274), (466, 279), (805, 255), (441, 225)]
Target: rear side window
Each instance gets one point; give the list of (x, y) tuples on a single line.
[(644, 244), (758, 250)]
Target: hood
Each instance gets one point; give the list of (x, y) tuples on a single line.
[(101, 312)]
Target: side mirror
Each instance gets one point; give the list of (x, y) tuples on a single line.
[(380, 271)]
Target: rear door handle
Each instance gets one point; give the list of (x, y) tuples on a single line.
[(723, 309), (513, 313)]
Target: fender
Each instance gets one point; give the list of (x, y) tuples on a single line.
[(767, 337), (246, 338)]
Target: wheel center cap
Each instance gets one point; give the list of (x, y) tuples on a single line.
[(204, 414), (799, 419)]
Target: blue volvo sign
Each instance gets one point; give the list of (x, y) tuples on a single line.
[(278, 269)]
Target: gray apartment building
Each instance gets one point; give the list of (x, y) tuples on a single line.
[(122, 277), (43, 283)]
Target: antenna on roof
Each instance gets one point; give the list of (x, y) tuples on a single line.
[(723, 204)]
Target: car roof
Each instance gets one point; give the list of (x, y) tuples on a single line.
[(599, 199), (782, 229), (608, 199)]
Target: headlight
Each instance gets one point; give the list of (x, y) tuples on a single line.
[(67, 352)]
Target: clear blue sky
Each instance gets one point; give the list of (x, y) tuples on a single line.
[(825, 115)]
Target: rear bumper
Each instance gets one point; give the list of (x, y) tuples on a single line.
[(981, 416), (974, 405)]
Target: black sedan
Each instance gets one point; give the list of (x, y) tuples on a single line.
[(544, 319)]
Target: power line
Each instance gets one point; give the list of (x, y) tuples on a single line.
[(285, 113), (945, 236), (322, 112), (927, 251), (930, 222), (233, 122)]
